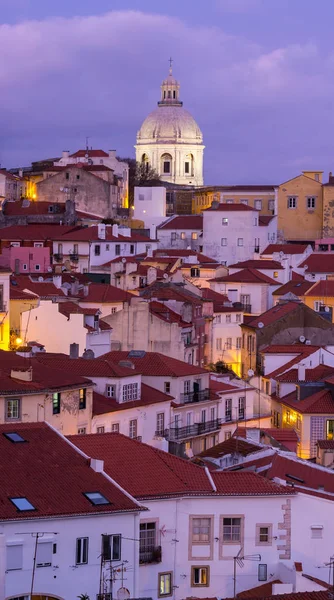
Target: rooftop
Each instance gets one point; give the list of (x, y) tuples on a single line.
[(298, 288), (185, 222), (55, 492), (104, 366), (320, 403), (273, 314), (231, 208), (246, 276), (149, 395), (285, 248), (271, 265), (319, 262), (319, 373), (322, 289), (154, 364)]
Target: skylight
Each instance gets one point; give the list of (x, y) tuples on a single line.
[(96, 498), (22, 504), (14, 437)]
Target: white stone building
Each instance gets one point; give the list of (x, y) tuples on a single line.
[(170, 140)]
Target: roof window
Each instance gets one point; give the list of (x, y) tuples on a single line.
[(22, 504), (96, 498), (14, 437)]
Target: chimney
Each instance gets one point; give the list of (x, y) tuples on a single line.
[(86, 290), (65, 153), (112, 153), (101, 231), (150, 252), (74, 350), (75, 288), (22, 374), (57, 281), (97, 465), (115, 230), (153, 232), (301, 372), (20, 172)]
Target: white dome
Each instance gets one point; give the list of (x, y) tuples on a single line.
[(170, 124)]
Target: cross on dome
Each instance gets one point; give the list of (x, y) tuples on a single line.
[(170, 89)]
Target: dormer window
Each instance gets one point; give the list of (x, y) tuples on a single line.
[(96, 498)]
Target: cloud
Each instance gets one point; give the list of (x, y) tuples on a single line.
[(63, 79)]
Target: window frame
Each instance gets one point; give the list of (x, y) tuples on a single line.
[(110, 554), (222, 242), (309, 201), (82, 398), (199, 542), (225, 221), (292, 202), (164, 574), (264, 577), (192, 576), (8, 400), (225, 542), (240, 242), (258, 528), (83, 551), (56, 403)]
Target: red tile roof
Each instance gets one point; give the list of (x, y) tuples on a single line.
[(20, 295), (149, 395), (71, 308), (34, 208), (25, 472), (232, 208), (320, 403), (289, 349), (164, 313), (296, 287), (154, 364), (90, 234), (103, 293), (296, 276), (170, 291), (272, 265), (326, 444), (246, 276), (43, 289), (35, 232), (274, 314), (233, 445), (95, 367), (282, 435), (322, 289), (260, 591), (286, 248), (79, 165), (293, 596), (183, 222), (319, 262), (177, 253), (219, 301), (319, 373), (264, 220), (147, 472), (91, 153), (222, 387)]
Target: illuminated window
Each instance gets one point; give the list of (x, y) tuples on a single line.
[(82, 398), (330, 429), (288, 417), (164, 584), (56, 398), (275, 274), (194, 235), (200, 576)]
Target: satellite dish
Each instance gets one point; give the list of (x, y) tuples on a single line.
[(165, 276), (305, 267), (250, 372), (260, 325), (123, 594), (302, 338), (40, 279), (123, 259), (281, 254), (61, 189), (49, 269), (327, 309)]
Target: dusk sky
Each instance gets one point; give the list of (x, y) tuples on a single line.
[(257, 75)]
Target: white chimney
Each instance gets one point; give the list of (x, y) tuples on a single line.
[(57, 281), (153, 232), (150, 252), (112, 153), (101, 231), (301, 372), (115, 230), (97, 465), (65, 153)]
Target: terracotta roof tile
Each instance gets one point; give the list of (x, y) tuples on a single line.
[(258, 264), (282, 435), (326, 444), (286, 248), (231, 208), (234, 444), (42, 289), (103, 366), (59, 491), (273, 314), (35, 232), (155, 364), (71, 308), (90, 234), (163, 312), (34, 208), (319, 373), (322, 289), (246, 276), (296, 287), (319, 262), (260, 591), (250, 484), (91, 153), (103, 293), (149, 395), (183, 222), (321, 403)]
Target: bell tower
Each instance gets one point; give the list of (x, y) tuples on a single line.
[(170, 89)]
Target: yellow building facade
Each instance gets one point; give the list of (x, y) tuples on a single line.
[(262, 198), (300, 207)]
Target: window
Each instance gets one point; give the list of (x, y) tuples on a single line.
[(262, 573), (275, 274), (82, 398), (167, 387), (147, 541), (166, 164), (111, 391), (218, 343), (14, 437), (13, 408), (133, 428), (194, 272), (25, 267), (107, 247), (227, 435), (263, 535), (183, 235), (22, 504), (329, 429), (194, 235), (37, 267), (117, 249), (97, 249), (67, 176), (44, 554), (164, 584), (111, 547), (224, 241), (228, 318), (100, 429), (240, 241), (258, 204), (78, 176), (81, 430), (130, 392), (160, 423), (186, 386), (200, 576), (231, 530), (316, 532), (310, 202), (96, 498), (115, 427), (81, 553), (244, 201), (56, 397), (230, 201), (217, 319), (14, 556), (292, 202), (229, 343), (228, 409), (241, 407), (224, 221), (201, 530), (238, 318), (186, 168), (271, 204), (38, 244), (173, 235), (317, 305), (238, 343), (132, 248), (288, 416)]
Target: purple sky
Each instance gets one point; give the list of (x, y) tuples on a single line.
[(258, 76)]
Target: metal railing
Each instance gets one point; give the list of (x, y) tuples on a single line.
[(150, 554), (197, 396), (58, 257), (246, 307), (74, 257), (189, 431)]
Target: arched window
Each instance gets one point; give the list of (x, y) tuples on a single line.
[(174, 94), (165, 94), (145, 161), (189, 165), (169, 94), (166, 164)]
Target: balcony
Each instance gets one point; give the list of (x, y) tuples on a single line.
[(74, 257), (241, 414), (3, 307), (257, 249), (198, 396), (58, 257), (107, 596), (175, 434), (149, 555), (247, 308)]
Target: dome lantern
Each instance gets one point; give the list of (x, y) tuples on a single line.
[(170, 89)]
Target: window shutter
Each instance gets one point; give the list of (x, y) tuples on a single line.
[(14, 557), (106, 550), (116, 547), (44, 554)]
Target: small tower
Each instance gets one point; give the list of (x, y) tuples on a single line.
[(170, 90)]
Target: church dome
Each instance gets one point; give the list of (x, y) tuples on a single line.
[(170, 123)]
